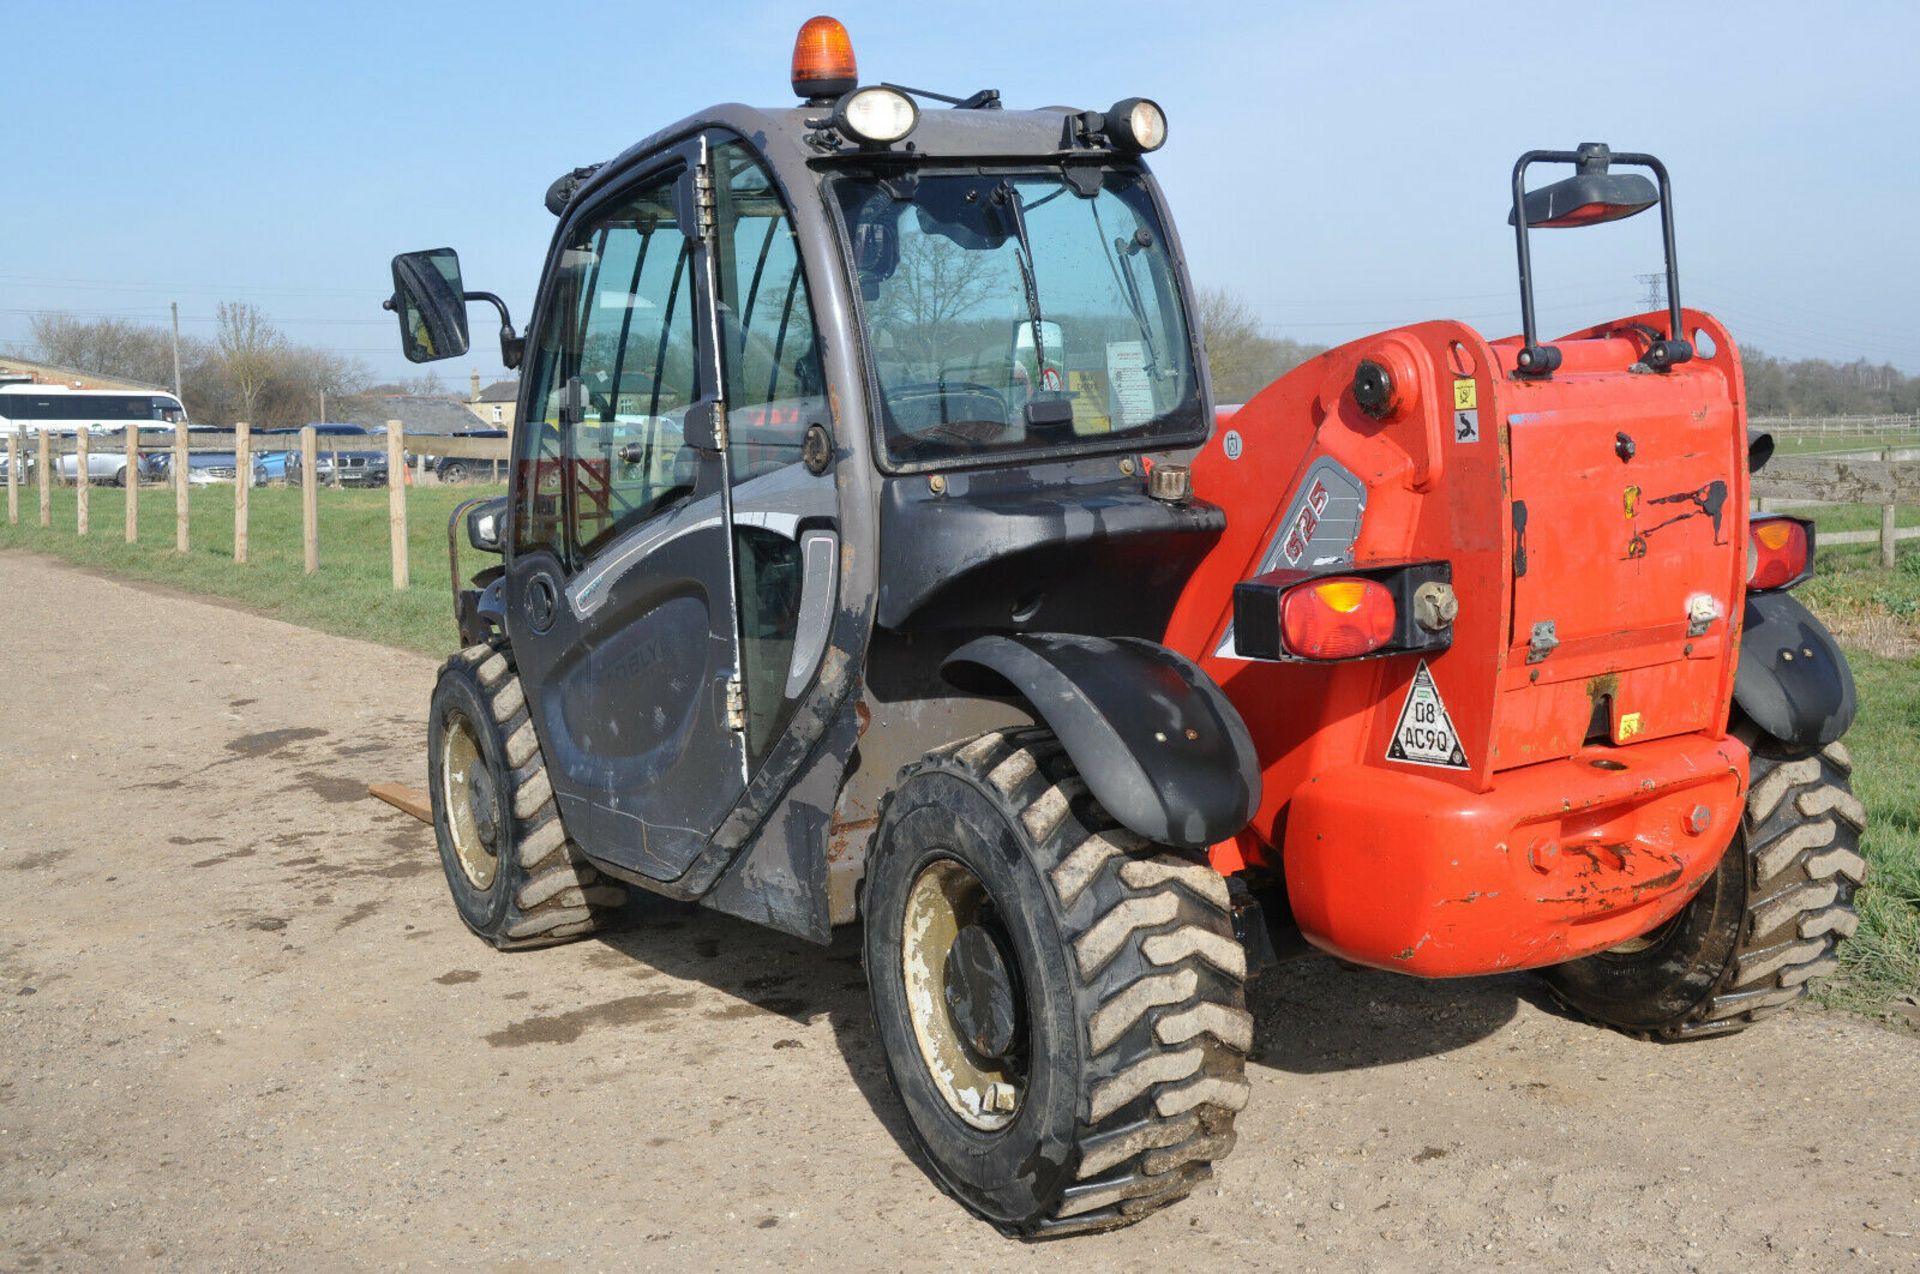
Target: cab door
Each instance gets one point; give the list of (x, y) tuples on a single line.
[(621, 578)]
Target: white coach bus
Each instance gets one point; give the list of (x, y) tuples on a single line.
[(98, 411)]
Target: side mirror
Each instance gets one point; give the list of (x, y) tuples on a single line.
[(486, 525), (432, 305), (1587, 199)]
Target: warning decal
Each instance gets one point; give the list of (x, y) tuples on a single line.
[(1424, 735)]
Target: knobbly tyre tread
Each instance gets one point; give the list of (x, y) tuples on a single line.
[(1160, 981), (1786, 913), (557, 895), (1803, 826)]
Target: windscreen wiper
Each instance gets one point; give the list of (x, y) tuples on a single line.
[(1120, 259), (1043, 408)]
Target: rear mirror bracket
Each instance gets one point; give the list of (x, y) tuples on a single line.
[(1592, 195)]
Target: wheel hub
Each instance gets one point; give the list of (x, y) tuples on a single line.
[(486, 810), (980, 992)]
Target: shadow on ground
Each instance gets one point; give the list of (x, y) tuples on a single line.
[(1313, 1014)]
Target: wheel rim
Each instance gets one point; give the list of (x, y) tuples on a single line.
[(1650, 939), (946, 901), (467, 794)]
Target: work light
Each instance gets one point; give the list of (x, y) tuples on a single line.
[(1136, 125), (875, 116)]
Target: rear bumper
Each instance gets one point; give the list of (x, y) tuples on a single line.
[(1405, 872)]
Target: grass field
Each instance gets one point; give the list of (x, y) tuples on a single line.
[(352, 593), (1874, 611)]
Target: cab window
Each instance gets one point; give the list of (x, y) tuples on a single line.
[(615, 374)]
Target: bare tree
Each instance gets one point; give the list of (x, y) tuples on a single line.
[(1241, 358), (936, 287), (250, 349)]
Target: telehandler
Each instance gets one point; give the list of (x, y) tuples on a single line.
[(872, 553)]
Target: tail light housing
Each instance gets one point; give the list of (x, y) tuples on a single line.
[(1353, 612), (1779, 553)]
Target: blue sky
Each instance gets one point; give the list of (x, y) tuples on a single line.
[(1343, 166)]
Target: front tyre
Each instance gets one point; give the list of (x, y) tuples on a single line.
[(516, 878), (1768, 921), (1060, 1002)]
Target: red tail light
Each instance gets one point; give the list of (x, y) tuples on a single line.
[(1338, 618), (1779, 553)]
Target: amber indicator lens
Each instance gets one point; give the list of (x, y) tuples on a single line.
[(1339, 618), (823, 64)]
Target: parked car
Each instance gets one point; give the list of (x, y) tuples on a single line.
[(334, 466), (106, 460), (160, 463), (462, 468), (205, 468)]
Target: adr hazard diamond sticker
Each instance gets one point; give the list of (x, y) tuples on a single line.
[(1424, 735)]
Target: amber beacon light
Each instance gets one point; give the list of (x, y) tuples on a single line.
[(823, 65)]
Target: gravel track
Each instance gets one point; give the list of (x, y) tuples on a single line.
[(241, 1027)]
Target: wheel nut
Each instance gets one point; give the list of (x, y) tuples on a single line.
[(1699, 820), (1001, 1097)]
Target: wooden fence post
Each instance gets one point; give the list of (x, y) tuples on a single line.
[(397, 500), (242, 486), (309, 503), (180, 488), (132, 480), (13, 477), (1889, 523), (46, 492), (83, 480)]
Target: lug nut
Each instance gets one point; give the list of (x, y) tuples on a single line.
[(1699, 820)]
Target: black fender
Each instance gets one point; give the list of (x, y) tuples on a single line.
[(1792, 681), (1160, 745)]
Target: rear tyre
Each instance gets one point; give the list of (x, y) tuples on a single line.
[(453, 472), (120, 477), (1061, 1003), (1767, 923), (516, 879)]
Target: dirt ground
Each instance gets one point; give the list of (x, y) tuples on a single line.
[(241, 1027)]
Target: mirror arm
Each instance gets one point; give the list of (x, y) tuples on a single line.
[(512, 346), (1535, 359), (1676, 348)]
